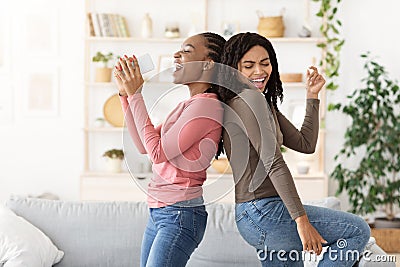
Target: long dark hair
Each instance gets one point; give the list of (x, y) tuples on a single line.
[(234, 50)]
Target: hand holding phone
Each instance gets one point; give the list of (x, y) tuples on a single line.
[(145, 63)]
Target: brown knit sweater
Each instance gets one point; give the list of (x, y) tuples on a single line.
[(253, 134)]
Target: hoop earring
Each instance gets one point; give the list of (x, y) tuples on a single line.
[(206, 66)]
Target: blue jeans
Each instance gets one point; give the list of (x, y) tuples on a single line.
[(173, 233), (266, 225)]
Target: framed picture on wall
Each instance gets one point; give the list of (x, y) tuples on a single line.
[(40, 31), (41, 92), (4, 42), (6, 102)]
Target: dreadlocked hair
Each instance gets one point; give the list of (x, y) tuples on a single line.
[(235, 48), (215, 45)]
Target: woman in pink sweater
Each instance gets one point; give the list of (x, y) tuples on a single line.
[(180, 149)]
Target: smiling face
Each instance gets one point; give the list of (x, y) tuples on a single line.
[(193, 49), (256, 66)]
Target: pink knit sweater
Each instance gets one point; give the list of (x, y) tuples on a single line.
[(180, 149)]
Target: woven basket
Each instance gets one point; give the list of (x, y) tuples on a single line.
[(271, 26)]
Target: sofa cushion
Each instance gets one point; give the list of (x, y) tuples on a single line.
[(222, 244), (22, 244), (90, 234)]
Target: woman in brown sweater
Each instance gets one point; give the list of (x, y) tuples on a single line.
[(269, 213)]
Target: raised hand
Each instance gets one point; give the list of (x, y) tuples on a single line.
[(314, 83), (128, 78)]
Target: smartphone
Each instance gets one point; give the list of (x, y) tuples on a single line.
[(145, 63)]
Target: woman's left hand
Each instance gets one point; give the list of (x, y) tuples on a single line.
[(315, 82), (129, 78)]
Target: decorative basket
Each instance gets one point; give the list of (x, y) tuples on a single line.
[(271, 26), (221, 165), (388, 239)]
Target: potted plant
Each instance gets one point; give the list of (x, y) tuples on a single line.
[(373, 136), (99, 122), (114, 159), (103, 73)]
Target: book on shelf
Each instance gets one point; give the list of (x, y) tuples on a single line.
[(107, 25), (91, 26), (114, 25), (123, 26)]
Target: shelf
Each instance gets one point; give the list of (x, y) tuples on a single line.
[(311, 176), (95, 84), (114, 175), (105, 129), (100, 174), (209, 175), (297, 40), (180, 40), (111, 84), (135, 39), (294, 85)]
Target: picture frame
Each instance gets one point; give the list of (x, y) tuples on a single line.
[(44, 24), (165, 62), (6, 102), (41, 92), (4, 43)]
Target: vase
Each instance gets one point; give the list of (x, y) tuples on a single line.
[(302, 167), (103, 75), (147, 26), (114, 165)]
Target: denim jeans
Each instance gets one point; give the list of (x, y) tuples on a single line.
[(173, 233), (266, 225)]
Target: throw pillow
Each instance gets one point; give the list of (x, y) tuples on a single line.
[(24, 245)]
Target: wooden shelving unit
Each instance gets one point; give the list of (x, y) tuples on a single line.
[(97, 184)]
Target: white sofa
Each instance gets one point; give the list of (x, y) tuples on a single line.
[(96, 234)]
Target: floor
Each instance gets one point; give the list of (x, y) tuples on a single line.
[(397, 258)]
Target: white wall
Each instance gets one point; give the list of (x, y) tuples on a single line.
[(367, 26), (39, 153), (45, 154)]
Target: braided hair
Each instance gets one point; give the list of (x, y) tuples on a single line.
[(234, 50), (215, 45)]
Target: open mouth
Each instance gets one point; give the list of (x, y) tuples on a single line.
[(178, 66), (259, 83)]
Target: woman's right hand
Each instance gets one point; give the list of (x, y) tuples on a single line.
[(129, 79), (121, 90), (310, 238)]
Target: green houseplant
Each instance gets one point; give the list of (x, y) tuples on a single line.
[(330, 30), (114, 154), (103, 74), (114, 159), (375, 136)]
